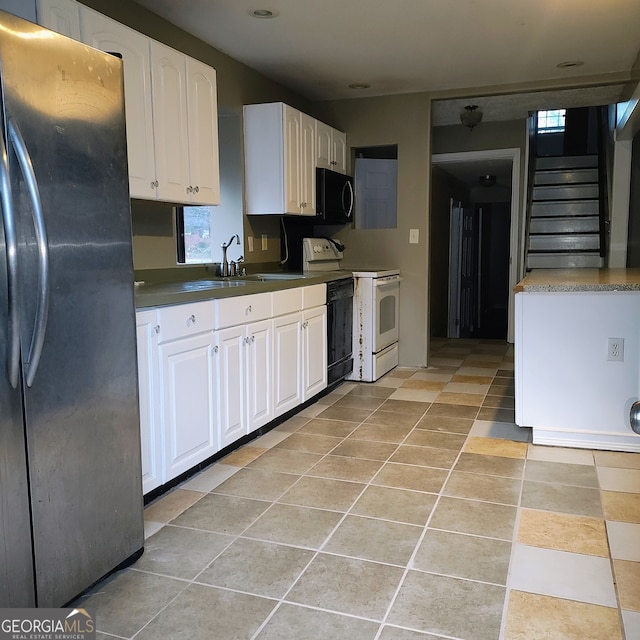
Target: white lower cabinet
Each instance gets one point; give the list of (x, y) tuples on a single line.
[(188, 376), (202, 389), (151, 439)]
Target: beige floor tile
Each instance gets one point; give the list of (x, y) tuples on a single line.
[(292, 622), (257, 483), (389, 433), (171, 505), (365, 389), (490, 465), (349, 414), (624, 540), (392, 418), (623, 507), (615, 479), (404, 476), (243, 456), (270, 439), (424, 456), (482, 487), (368, 403), (374, 539), (496, 447), (496, 414), (390, 383), (560, 454), (340, 468), (628, 583), (563, 532), (579, 475), (537, 617), (353, 448), (424, 385), (617, 459), (484, 370), (452, 411), (436, 439), (285, 461), (435, 375), (445, 423), (472, 379), (400, 372), (309, 442), (470, 399), (399, 505), (500, 430), (334, 428), (292, 424), (410, 407), (416, 395), (466, 387), (323, 493), (347, 585), (501, 402), (580, 501), (151, 528), (631, 623), (210, 478)]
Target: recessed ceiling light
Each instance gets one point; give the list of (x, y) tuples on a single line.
[(359, 85), (263, 13), (570, 63)]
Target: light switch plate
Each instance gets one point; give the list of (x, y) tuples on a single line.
[(414, 235), (264, 241), (249, 243)]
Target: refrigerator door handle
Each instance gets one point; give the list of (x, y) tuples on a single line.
[(11, 248), (42, 308)]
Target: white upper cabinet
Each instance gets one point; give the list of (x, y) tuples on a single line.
[(61, 16), (202, 120), (280, 160), (331, 148), (111, 36), (170, 132)]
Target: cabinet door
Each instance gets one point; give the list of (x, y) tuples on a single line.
[(231, 375), (187, 371), (108, 35), (338, 151), (292, 177), (149, 399), (259, 377), (314, 346), (324, 146), (61, 16), (202, 109), (307, 165), (168, 82), (287, 362)]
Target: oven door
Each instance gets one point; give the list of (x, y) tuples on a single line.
[(386, 297)]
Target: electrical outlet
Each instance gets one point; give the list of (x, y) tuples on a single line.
[(249, 243), (264, 241), (615, 350), (414, 234)]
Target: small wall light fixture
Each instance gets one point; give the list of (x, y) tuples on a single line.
[(487, 180), (471, 116)]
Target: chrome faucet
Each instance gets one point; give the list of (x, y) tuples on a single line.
[(225, 264)]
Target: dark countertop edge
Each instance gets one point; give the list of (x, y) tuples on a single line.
[(155, 297)]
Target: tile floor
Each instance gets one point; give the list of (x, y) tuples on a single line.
[(408, 509)]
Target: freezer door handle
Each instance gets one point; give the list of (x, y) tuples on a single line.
[(42, 307), (11, 248)]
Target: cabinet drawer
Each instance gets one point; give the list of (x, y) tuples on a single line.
[(287, 301), (242, 309), (314, 295), (182, 320)]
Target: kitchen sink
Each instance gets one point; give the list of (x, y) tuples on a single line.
[(265, 277)]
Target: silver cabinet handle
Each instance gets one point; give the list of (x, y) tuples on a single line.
[(215, 349), (13, 308), (156, 329), (154, 184), (191, 320), (247, 311), (189, 189), (196, 189), (42, 308)]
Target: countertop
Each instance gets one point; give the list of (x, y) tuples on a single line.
[(158, 293), (566, 280)]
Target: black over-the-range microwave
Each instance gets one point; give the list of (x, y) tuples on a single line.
[(334, 198)]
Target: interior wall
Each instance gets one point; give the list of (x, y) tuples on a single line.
[(237, 85), (403, 120), (443, 188)]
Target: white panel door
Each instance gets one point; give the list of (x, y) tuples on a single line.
[(287, 362), (339, 151), (292, 142), (187, 371), (314, 346), (231, 375), (134, 48), (307, 165), (259, 377), (149, 400), (323, 145), (61, 16), (168, 79), (202, 105)]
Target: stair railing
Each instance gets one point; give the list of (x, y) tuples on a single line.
[(603, 179), (532, 124)]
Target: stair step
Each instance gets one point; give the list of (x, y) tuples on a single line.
[(560, 224), (564, 261), (564, 242), (566, 162), (564, 208), (565, 192), (565, 176)]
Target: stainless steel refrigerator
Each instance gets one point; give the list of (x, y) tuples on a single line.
[(70, 477)]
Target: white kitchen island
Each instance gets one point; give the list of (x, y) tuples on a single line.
[(577, 356)]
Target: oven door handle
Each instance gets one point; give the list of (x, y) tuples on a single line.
[(381, 282)]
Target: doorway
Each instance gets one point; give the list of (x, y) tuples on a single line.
[(475, 239)]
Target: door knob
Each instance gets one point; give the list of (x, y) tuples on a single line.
[(634, 417)]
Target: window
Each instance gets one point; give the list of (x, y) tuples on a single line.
[(193, 227), (551, 121)]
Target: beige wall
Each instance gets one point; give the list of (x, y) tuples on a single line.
[(405, 121)]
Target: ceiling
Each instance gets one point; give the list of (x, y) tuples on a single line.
[(319, 47)]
